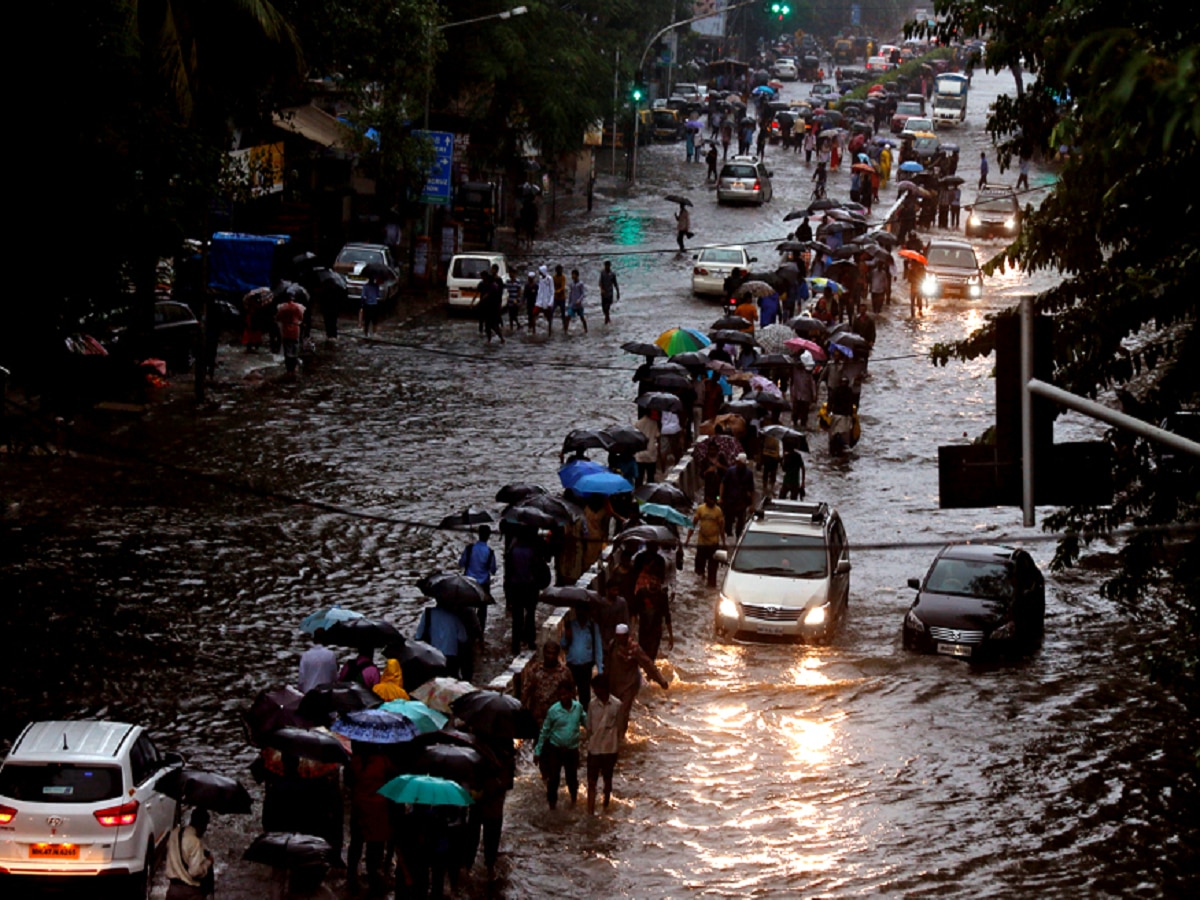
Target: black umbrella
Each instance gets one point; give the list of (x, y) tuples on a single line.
[(584, 439), (824, 203), (361, 632), (691, 360), (775, 361), (518, 491), (274, 708), (452, 589), (467, 518), (789, 437), (626, 439), (327, 700), (378, 270), (574, 597), (665, 494), (885, 239), (729, 336), (641, 348), (790, 272), (747, 409), (849, 339), (661, 401), (819, 247), (770, 400), (213, 792), (791, 246), (493, 714), (667, 381), (676, 198), (419, 662), (285, 850), (646, 370), (951, 180), (528, 517), (771, 278), (304, 260), (797, 214), (463, 765), (808, 327), (560, 510), (320, 746), (733, 322)]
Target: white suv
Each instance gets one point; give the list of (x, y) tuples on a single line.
[(789, 576), (81, 798)]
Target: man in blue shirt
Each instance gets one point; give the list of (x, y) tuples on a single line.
[(478, 561), (371, 294), (449, 632), (585, 649)]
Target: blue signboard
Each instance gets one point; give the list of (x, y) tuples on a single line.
[(855, 14), (437, 180)]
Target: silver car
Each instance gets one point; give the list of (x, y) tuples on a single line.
[(744, 180), (789, 576), (714, 264)]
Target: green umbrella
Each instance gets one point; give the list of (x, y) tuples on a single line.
[(418, 713), (425, 790)]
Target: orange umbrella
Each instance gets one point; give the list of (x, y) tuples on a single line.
[(914, 256)]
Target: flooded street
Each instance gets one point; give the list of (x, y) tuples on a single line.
[(161, 577)]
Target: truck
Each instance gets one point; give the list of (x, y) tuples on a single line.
[(949, 106)]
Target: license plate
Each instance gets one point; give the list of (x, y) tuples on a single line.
[(54, 851), (770, 629), (739, 186), (954, 649)]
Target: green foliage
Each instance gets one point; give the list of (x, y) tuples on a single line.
[(910, 70), (1115, 82)]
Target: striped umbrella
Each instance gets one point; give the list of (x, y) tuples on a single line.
[(681, 340)]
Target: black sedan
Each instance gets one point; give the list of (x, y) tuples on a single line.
[(977, 600)]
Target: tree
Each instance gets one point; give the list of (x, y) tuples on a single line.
[(1115, 89)]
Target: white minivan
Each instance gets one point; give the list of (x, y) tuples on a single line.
[(82, 799), (462, 277)]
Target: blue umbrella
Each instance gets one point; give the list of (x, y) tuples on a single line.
[(842, 348), (667, 513), (576, 469), (764, 89), (911, 166), (426, 790), (602, 483), (374, 726), (327, 617)]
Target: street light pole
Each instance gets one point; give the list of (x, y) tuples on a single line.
[(642, 63)]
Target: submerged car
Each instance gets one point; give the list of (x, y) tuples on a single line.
[(714, 264), (789, 576), (744, 180), (977, 599), (951, 270), (80, 799), (996, 212)]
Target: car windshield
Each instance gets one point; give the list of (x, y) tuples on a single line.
[(351, 255), (785, 555), (471, 267), (970, 578), (952, 257), (908, 109), (729, 257), (738, 172), (925, 143), (60, 782), (1000, 205)]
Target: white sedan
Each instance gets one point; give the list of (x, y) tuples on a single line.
[(714, 264)]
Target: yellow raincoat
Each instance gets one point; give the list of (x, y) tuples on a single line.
[(391, 682)]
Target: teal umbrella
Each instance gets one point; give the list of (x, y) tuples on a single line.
[(666, 513), (325, 618), (425, 790), (418, 713)]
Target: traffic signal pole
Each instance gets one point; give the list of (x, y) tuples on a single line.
[(637, 106)]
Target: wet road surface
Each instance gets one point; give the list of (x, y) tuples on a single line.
[(167, 587)]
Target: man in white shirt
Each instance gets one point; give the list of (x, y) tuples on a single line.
[(604, 740)]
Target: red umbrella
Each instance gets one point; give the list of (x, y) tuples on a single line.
[(914, 256), (863, 167)]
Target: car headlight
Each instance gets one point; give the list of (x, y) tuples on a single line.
[(974, 220), (929, 286), (1010, 223), (974, 290), (816, 615), (727, 607), (1005, 632), (912, 623)]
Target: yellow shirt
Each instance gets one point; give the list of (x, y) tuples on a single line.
[(710, 524)]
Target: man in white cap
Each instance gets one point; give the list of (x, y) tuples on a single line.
[(623, 661), (545, 297)]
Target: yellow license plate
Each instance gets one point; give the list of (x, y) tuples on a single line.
[(54, 851)]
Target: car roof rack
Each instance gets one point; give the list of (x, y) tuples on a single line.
[(800, 510)]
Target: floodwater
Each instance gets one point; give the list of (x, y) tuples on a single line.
[(163, 582)]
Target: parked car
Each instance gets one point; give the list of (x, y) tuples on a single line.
[(356, 262), (172, 340), (689, 91), (744, 179), (713, 266), (996, 212), (81, 799), (951, 270), (785, 69), (789, 576), (977, 599), (464, 273), (917, 125)]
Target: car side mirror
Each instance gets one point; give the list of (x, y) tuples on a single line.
[(722, 556), (770, 174), (914, 583), (754, 259), (843, 567), (171, 758)]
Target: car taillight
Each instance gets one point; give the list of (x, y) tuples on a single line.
[(757, 186), (699, 271), (7, 814), (125, 814)]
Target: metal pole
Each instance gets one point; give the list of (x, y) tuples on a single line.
[(1097, 411), (1027, 506), (616, 83)]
